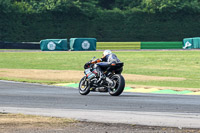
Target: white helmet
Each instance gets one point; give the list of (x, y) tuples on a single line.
[(107, 52)]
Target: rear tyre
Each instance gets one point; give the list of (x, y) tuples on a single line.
[(84, 87), (118, 86)]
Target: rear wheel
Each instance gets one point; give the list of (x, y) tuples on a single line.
[(84, 87), (118, 85)]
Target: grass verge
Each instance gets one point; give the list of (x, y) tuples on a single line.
[(21, 121), (49, 82), (180, 64)]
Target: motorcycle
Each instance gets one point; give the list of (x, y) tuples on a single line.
[(113, 82)]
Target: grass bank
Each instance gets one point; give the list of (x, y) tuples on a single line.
[(181, 64)]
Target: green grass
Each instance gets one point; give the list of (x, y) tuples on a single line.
[(49, 82), (184, 64)]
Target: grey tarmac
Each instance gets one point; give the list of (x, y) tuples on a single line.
[(181, 111)]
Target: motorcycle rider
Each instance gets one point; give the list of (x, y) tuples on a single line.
[(107, 59)]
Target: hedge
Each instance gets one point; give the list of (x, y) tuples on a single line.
[(106, 27)]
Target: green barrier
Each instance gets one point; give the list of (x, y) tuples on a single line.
[(118, 45), (187, 43), (190, 43), (83, 44), (196, 42), (161, 45), (54, 45)]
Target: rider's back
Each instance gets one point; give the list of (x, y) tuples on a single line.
[(112, 58)]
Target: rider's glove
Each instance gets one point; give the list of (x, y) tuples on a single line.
[(96, 61)]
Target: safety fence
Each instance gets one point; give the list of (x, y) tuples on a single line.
[(139, 45), (118, 45), (161, 45), (91, 44)]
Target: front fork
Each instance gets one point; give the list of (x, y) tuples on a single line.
[(84, 81)]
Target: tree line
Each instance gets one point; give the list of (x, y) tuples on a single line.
[(106, 20), (91, 7)]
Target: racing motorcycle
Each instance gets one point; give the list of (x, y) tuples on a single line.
[(113, 82)]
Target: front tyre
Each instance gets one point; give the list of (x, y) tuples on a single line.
[(118, 85), (84, 87)]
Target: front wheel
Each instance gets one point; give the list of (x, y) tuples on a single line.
[(118, 85), (84, 87)]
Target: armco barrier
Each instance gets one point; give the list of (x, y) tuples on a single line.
[(161, 45), (24, 45), (118, 45), (104, 45)]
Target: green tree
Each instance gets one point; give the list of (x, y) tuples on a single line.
[(170, 6), (127, 4)]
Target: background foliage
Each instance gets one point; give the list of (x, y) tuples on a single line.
[(106, 20)]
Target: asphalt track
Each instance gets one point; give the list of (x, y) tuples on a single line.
[(131, 108)]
